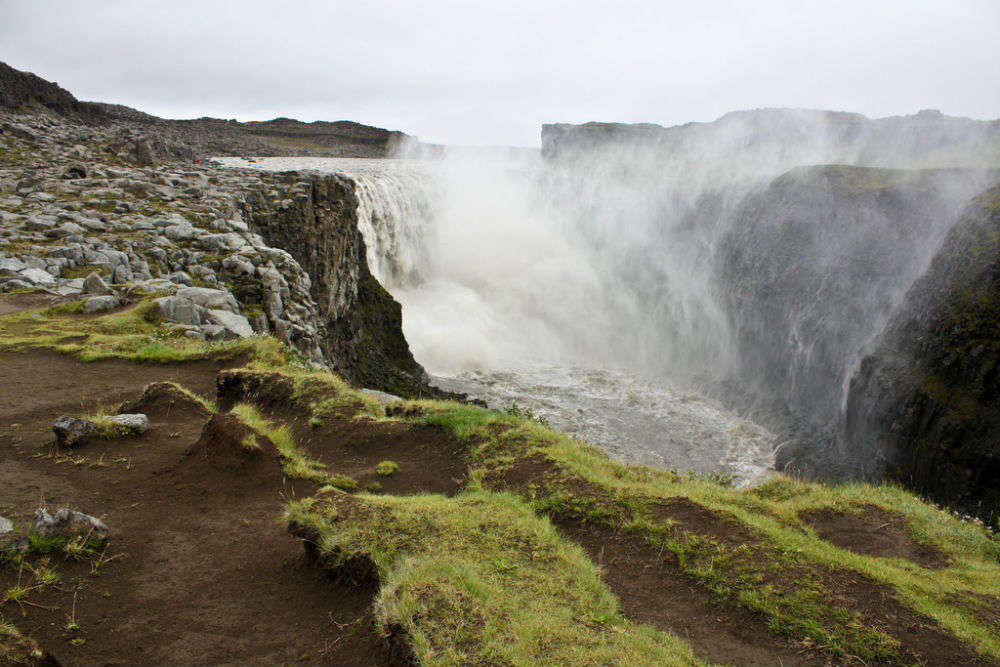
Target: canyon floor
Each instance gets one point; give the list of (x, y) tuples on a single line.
[(496, 540)]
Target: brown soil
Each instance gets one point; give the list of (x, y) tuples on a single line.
[(21, 301), (875, 532), (922, 640), (693, 518), (652, 590), (430, 459), (207, 574)]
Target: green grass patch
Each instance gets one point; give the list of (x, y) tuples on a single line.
[(479, 579), (583, 482), (295, 463)]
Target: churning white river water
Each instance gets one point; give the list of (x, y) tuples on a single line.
[(502, 302)]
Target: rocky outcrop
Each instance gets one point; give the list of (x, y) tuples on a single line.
[(21, 89), (316, 221), (925, 406), (206, 244)]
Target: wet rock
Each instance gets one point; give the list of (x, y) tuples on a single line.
[(70, 430), (67, 523)]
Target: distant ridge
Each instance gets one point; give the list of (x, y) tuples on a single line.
[(27, 92), (794, 137)]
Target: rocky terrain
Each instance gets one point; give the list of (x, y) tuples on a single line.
[(80, 220), (924, 405)]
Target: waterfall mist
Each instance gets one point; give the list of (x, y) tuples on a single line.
[(615, 280)]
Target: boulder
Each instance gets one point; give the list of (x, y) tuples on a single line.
[(181, 278), (70, 430), (38, 276), (11, 265), (131, 424), (179, 232), (236, 324), (179, 309), (96, 304), (94, 284), (66, 523), (213, 299), (122, 274)]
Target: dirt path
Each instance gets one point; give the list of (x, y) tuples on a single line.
[(207, 573)]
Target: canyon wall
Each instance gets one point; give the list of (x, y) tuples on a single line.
[(925, 406), (314, 218)]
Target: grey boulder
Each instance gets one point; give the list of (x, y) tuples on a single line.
[(68, 524), (132, 424), (70, 430), (94, 284), (96, 304)]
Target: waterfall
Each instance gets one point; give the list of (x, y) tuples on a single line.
[(395, 215)]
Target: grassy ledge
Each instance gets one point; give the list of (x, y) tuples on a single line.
[(784, 570), (479, 579)]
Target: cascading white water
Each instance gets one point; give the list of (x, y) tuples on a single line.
[(504, 299)]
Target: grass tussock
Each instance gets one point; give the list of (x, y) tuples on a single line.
[(295, 463), (480, 579)]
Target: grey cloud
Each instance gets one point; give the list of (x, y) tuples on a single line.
[(476, 72)]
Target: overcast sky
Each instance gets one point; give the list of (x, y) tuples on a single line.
[(491, 72)]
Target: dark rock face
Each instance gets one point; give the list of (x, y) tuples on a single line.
[(19, 89), (925, 405), (316, 222), (814, 265)]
